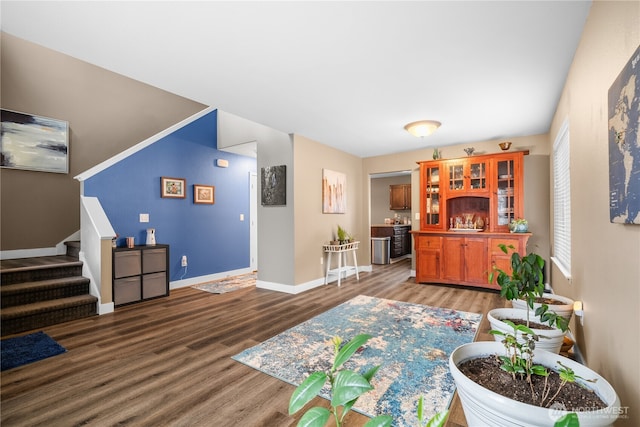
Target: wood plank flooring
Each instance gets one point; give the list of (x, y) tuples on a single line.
[(166, 362)]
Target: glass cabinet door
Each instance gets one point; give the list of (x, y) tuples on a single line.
[(432, 196), (456, 177), (506, 192), (477, 176)]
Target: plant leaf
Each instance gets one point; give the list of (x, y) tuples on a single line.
[(380, 421), (420, 406), (349, 348), (568, 420), (306, 391), (438, 419), (315, 417), (348, 385)]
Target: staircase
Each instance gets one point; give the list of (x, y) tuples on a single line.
[(43, 291)]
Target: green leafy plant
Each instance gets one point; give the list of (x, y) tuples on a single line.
[(568, 420), (346, 387), (343, 236), (437, 420), (526, 283), (518, 361)]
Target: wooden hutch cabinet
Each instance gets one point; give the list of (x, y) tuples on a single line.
[(466, 206)]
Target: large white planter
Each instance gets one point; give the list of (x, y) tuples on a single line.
[(552, 340), (565, 310), (483, 407)]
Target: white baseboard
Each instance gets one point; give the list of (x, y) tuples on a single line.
[(303, 287)]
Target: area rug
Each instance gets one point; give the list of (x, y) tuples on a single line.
[(229, 284), (411, 342), (30, 348)]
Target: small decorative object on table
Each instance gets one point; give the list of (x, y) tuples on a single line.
[(504, 146), (519, 226), (469, 151)]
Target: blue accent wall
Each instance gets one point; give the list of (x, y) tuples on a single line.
[(211, 236)]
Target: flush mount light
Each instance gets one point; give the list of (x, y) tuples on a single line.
[(422, 128)]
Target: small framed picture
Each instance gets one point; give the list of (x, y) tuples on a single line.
[(203, 194), (173, 187)]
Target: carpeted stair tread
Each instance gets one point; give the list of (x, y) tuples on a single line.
[(17, 288), (45, 306), (21, 264)]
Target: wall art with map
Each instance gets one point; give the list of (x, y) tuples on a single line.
[(624, 146)]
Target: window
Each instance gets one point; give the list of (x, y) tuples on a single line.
[(562, 202)]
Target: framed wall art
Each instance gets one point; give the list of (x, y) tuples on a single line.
[(273, 180), (624, 147), (34, 142), (334, 192), (173, 187), (203, 194)]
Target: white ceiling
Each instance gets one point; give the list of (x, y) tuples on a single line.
[(346, 74)]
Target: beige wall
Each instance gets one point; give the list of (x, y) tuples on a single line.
[(605, 259), (312, 227), (107, 113)]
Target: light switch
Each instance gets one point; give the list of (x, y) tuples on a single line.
[(241, 217), (144, 217)]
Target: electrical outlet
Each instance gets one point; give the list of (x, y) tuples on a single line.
[(183, 262), (321, 260), (144, 217)]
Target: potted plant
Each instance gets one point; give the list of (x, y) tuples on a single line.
[(346, 387), (343, 236), (519, 384), (526, 283), (519, 225)]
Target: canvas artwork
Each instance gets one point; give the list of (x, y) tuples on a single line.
[(334, 192), (624, 146), (34, 143), (273, 180)]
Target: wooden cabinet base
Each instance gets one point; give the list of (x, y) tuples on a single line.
[(460, 258)]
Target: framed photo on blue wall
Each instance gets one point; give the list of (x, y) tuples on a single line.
[(34, 143), (173, 187)]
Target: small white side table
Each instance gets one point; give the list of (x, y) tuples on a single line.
[(342, 251)]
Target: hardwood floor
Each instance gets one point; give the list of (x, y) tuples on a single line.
[(167, 361)]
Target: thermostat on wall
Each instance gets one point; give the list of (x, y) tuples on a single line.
[(222, 163)]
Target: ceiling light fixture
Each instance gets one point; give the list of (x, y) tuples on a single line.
[(422, 128)]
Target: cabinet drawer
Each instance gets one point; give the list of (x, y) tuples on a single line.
[(381, 231), (126, 290), (154, 285), (429, 242), (154, 260), (400, 230), (126, 263)]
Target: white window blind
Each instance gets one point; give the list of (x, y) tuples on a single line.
[(562, 201)]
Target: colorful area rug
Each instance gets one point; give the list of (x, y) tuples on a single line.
[(411, 342), (30, 348), (229, 284)]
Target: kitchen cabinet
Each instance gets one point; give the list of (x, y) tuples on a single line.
[(400, 244), (466, 206), (400, 197), (140, 273)]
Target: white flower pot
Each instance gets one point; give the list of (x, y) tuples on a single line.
[(565, 310), (553, 337), (483, 407)]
